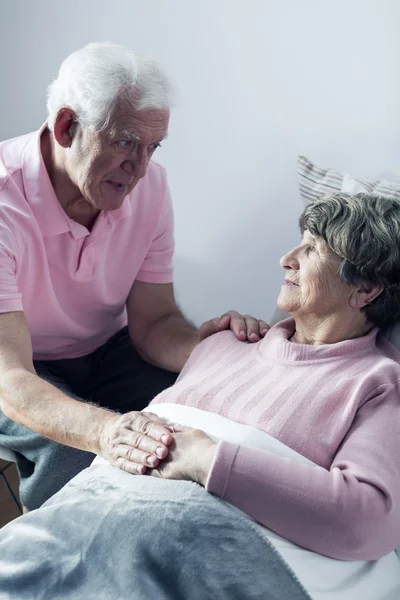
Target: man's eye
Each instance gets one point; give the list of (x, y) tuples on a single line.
[(124, 144), (310, 249), (154, 147)]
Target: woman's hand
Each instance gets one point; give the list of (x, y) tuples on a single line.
[(190, 457)]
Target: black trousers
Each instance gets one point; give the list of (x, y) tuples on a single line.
[(115, 377)]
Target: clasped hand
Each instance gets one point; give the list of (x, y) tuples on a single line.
[(140, 441)]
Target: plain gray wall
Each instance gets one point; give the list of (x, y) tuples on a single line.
[(259, 82)]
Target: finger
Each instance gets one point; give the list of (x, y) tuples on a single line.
[(213, 326), (252, 328), (123, 453), (154, 417), (223, 322), (145, 424), (177, 428), (238, 325), (153, 473), (130, 467), (142, 443), (158, 419), (263, 327)]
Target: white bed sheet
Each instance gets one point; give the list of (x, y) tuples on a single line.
[(324, 578)]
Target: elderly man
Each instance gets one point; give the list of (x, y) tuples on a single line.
[(87, 307)]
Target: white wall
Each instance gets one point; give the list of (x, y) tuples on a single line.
[(260, 81)]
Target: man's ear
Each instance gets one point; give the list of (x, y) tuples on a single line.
[(364, 294), (65, 127)]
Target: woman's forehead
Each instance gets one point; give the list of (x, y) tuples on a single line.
[(308, 236)]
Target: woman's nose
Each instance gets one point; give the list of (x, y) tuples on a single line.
[(289, 261)]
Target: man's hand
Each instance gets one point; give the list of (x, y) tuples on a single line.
[(135, 441), (244, 327), (190, 457)]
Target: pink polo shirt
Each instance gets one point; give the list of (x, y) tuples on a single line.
[(73, 284)]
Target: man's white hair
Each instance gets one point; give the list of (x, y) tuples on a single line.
[(91, 79)]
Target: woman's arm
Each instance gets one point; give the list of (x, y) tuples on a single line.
[(351, 512)]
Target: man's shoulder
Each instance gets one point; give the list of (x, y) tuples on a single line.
[(13, 205), (12, 152)]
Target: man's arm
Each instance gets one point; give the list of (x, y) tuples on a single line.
[(30, 401), (127, 441), (158, 329), (163, 336)]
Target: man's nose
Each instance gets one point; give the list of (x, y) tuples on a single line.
[(136, 165)]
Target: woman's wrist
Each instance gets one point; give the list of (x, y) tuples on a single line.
[(204, 459)]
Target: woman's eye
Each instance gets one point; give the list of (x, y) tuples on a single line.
[(311, 249)]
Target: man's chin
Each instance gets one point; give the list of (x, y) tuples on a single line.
[(112, 200)]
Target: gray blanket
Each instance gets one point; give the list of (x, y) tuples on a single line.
[(113, 536)]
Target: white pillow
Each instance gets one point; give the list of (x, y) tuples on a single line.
[(352, 186), (315, 182)]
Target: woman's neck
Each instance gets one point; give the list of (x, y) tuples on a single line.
[(329, 330)]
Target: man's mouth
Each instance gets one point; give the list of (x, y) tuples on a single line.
[(118, 187), (289, 282)]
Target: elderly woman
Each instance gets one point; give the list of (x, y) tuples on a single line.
[(320, 383), (324, 383)]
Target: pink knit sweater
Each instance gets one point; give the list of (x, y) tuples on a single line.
[(336, 404)]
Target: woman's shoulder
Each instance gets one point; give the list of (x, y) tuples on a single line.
[(213, 349), (383, 368), (389, 349), (219, 341)]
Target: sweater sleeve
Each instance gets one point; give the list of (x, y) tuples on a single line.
[(349, 512)]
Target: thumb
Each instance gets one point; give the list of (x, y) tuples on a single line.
[(224, 322), (213, 326)]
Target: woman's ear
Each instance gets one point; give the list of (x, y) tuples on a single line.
[(365, 294), (64, 127)]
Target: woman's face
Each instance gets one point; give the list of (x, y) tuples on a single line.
[(312, 285)]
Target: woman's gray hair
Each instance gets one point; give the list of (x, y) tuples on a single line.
[(91, 79), (364, 231)]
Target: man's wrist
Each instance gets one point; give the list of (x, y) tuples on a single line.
[(169, 343)]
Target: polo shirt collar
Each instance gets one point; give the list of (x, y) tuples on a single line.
[(124, 211), (42, 198)]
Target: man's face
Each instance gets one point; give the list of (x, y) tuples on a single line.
[(105, 166)]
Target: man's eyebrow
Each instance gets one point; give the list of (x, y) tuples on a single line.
[(129, 133)]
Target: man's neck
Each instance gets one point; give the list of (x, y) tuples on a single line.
[(329, 330), (68, 195)]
